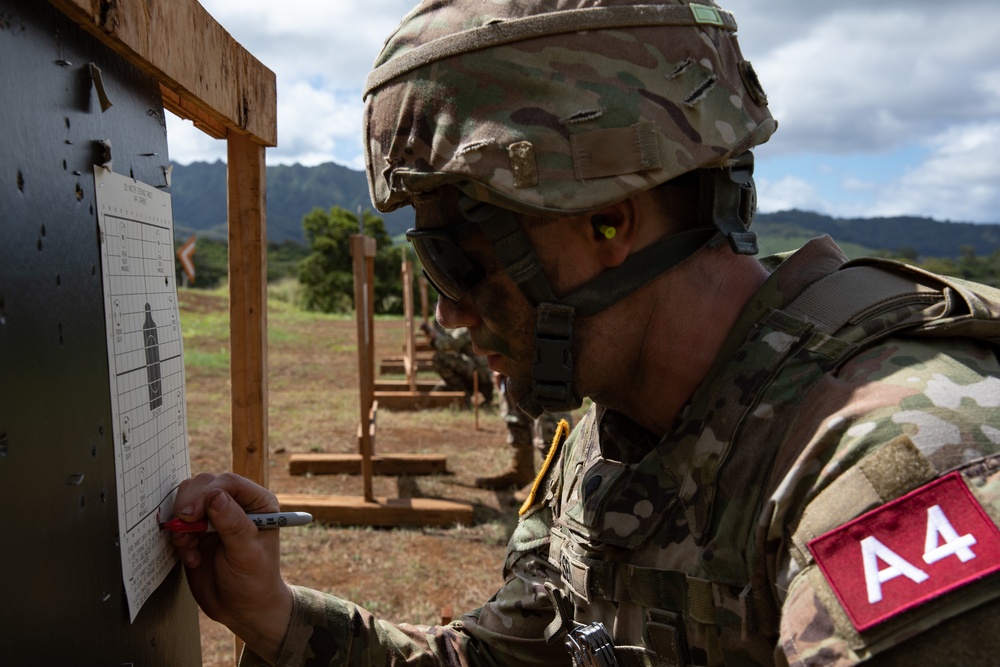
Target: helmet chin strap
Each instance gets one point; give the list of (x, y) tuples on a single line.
[(552, 370), (726, 194)]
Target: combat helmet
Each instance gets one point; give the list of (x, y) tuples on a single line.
[(558, 107)]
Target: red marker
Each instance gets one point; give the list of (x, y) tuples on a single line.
[(262, 521)]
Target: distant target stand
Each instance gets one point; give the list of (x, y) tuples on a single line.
[(185, 255)]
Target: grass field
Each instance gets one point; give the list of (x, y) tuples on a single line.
[(407, 575)]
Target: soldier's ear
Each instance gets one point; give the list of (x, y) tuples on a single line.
[(614, 231)]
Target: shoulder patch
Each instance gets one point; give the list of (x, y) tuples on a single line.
[(916, 548)]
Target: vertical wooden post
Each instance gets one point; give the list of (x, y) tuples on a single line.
[(248, 306), (409, 336), (475, 396), (422, 282), (247, 311), (363, 254)]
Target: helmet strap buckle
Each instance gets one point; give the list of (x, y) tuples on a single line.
[(729, 201), (552, 371)]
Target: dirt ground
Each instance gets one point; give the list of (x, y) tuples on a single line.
[(415, 575)]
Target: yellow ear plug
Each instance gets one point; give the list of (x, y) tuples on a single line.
[(607, 230)]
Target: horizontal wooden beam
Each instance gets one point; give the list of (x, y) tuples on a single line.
[(210, 78), (356, 511), (419, 400), (403, 385), (396, 364), (385, 465)]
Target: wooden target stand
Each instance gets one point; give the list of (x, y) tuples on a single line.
[(417, 354), (412, 393), (366, 509)]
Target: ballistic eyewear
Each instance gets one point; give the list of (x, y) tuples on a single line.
[(449, 269)]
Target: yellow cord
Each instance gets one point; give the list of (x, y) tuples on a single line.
[(562, 430)]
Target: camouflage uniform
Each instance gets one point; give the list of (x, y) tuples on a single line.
[(455, 362), (707, 546), (698, 548)]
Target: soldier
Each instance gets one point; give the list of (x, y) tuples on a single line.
[(524, 435), (787, 461), (456, 363)]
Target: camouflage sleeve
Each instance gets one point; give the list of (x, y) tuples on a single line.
[(507, 630), (326, 630), (857, 574), (453, 340)]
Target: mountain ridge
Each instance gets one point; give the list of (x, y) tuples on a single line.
[(199, 207)]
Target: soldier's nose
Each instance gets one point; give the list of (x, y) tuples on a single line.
[(454, 314)]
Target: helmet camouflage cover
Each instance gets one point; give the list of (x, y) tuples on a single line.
[(557, 105)]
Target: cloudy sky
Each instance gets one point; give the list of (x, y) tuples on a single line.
[(887, 107)]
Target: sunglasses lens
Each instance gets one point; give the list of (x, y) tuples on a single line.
[(449, 269)]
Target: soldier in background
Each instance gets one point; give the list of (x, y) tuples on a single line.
[(525, 436), (791, 460), (456, 363)]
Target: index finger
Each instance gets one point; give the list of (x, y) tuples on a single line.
[(192, 494)]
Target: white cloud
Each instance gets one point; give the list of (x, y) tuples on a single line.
[(787, 193), (320, 52), (187, 144), (867, 80), (957, 181), (335, 41), (853, 81), (312, 123), (853, 184)]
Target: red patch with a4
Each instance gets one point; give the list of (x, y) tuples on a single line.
[(916, 548)]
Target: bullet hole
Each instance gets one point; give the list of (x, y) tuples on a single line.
[(58, 280), (100, 429), (76, 479), (4, 444), (43, 230), (105, 597), (92, 209), (64, 165), (93, 450), (3, 313), (79, 192), (104, 497), (20, 180), (67, 123), (93, 269), (83, 502), (39, 244)]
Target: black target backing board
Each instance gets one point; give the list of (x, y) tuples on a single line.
[(62, 598)]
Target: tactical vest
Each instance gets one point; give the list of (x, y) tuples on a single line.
[(728, 596)]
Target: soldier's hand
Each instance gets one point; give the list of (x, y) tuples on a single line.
[(234, 573)]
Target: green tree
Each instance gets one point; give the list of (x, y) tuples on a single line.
[(283, 259), (327, 274)]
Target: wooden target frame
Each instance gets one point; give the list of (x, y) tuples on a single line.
[(367, 509), (412, 393)]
